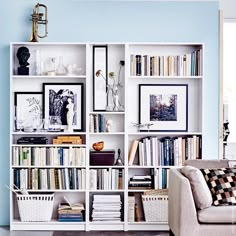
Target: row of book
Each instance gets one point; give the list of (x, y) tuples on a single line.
[(189, 64), (106, 208), (48, 156), (97, 123), (70, 213), (152, 181), (50, 179), (167, 151), (106, 179)]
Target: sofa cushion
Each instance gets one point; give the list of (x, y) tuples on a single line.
[(201, 193), (220, 214), (222, 184)]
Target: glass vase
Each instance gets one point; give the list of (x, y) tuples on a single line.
[(61, 70)]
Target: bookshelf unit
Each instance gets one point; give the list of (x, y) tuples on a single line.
[(122, 132)]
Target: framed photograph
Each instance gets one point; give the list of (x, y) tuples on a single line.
[(28, 109), (63, 103), (100, 77), (164, 106)]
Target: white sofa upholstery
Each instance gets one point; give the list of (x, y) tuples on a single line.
[(185, 219)]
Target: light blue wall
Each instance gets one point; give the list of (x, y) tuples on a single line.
[(71, 20)]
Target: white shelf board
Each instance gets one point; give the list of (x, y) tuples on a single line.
[(108, 133), (49, 77), (57, 167), (107, 112), (138, 190), (48, 133), (164, 133), (48, 145), (165, 77), (111, 191), (51, 225), (148, 167), (113, 167), (55, 190)]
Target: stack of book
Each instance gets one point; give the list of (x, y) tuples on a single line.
[(141, 182), (106, 208), (70, 213)]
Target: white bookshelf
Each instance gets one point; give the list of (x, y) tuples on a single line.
[(122, 131)]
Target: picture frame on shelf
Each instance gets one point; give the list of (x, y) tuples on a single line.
[(55, 102), (28, 109), (163, 107), (100, 79)]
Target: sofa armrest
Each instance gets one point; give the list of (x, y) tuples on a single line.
[(182, 211)]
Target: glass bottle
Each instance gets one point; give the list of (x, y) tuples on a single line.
[(51, 66), (61, 70)]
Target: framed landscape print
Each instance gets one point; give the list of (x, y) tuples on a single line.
[(56, 97), (28, 109), (164, 107)]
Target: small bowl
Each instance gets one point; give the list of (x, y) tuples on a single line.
[(98, 146)]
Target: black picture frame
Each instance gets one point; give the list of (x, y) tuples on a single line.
[(55, 96), (99, 82), (164, 106), (28, 108)]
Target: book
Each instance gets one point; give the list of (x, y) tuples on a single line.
[(132, 152)]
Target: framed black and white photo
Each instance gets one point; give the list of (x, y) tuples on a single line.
[(100, 77), (164, 106), (28, 109), (63, 102)]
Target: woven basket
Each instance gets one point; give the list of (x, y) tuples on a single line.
[(155, 208), (35, 207)]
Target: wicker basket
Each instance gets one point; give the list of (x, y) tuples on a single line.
[(35, 207), (155, 208)]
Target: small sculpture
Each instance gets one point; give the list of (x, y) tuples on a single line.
[(23, 56), (139, 125), (70, 114), (119, 161), (108, 125)]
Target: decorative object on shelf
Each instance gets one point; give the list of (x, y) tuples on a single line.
[(23, 55), (113, 90), (99, 87), (74, 69), (61, 69), (98, 146), (51, 66), (108, 125), (28, 107), (140, 126), (37, 63), (119, 161), (39, 18), (164, 105), (102, 158), (55, 100), (70, 114)]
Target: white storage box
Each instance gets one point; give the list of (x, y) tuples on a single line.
[(35, 207)]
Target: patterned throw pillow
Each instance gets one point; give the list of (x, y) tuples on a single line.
[(222, 184)]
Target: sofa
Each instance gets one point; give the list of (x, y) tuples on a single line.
[(185, 219)]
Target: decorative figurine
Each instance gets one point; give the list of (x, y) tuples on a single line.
[(108, 125), (70, 114), (119, 161), (139, 126), (23, 56)]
